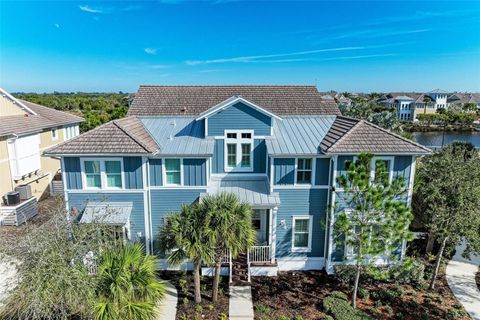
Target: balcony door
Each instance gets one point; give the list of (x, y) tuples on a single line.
[(259, 222)]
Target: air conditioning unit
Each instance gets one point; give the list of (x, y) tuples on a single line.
[(25, 191), (11, 198)]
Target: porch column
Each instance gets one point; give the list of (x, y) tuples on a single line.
[(273, 233)]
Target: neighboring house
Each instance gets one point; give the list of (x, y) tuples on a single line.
[(279, 148), (461, 99), (410, 104), (26, 130)]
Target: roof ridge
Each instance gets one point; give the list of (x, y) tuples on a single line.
[(230, 85), (48, 108), (115, 122), (397, 136)]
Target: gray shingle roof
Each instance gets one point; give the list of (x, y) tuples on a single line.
[(193, 100), (362, 136), (45, 118), (125, 135)]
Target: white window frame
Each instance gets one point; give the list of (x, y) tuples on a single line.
[(310, 229), (312, 172), (103, 174), (391, 160), (164, 172), (54, 136), (73, 129), (239, 141)]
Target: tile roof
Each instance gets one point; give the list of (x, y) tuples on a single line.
[(125, 135), (355, 136), (45, 118), (193, 100)]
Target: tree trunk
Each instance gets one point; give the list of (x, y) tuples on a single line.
[(355, 287), (437, 264), (216, 280), (196, 280), (430, 242)]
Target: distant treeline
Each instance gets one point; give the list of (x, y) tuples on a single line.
[(95, 108)]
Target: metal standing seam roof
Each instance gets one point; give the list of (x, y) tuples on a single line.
[(112, 213), (297, 135), (254, 191), (179, 135)]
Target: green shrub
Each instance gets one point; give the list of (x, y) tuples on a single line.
[(411, 271), (456, 314), (341, 309), (388, 310), (283, 318), (298, 317), (363, 293), (389, 295), (339, 295), (261, 308), (345, 273)]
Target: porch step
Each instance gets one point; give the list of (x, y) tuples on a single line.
[(240, 270)]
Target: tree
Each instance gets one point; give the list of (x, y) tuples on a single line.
[(375, 219), (470, 107), (448, 187), (426, 101), (186, 235), (231, 221), (128, 287)]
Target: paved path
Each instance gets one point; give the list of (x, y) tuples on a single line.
[(167, 309), (461, 279), (240, 304)]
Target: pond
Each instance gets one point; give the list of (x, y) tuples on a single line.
[(434, 139)]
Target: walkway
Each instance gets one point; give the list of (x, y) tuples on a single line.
[(167, 309), (461, 279), (240, 305)]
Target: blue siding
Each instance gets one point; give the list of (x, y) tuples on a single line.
[(218, 160), (155, 172), (195, 172), (341, 169), (301, 202), (73, 173), (259, 156), (268, 168), (168, 201), (133, 172), (402, 168), (322, 171), (137, 219), (238, 117), (284, 171)]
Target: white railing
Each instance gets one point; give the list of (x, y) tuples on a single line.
[(260, 254), (226, 257)]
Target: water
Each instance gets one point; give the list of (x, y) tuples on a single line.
[(434, 139)]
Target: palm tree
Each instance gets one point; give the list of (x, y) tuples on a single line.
[(426, 101), (231, 221), (186, 235), (128, 287)]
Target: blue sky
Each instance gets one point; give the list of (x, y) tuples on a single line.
[(345, 46)]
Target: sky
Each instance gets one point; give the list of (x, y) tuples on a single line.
[(354, 46)]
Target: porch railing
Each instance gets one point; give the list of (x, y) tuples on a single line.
[(260, 254)]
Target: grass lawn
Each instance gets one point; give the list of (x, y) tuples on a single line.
[(301, 294), (186, 307)]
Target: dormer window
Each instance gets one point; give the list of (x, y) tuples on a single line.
[(238, 151)]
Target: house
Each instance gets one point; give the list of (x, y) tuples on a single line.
[(26, 130), (410, 104), (461, 99), (279, 148)]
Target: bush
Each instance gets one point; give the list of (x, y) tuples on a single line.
[(261, 308), (456, 314), (339, 295), (388, 310), (411, 271), (341, 309), (388, 295), (283, 318), (363, 293), (345, 273), (297, 317)]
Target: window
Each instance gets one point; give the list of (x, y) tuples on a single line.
[(301, 233), (113, 172), (304, 171), (54, 134), (382, 165), (173, 172), (92, 174), (71, 132), (102, 173), (238, 151)]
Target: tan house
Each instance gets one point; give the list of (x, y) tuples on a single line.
[(26, 130)]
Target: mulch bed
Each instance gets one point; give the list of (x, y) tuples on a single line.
[(186, 307), (300, 294)]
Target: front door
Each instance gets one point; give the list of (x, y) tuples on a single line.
[(259, 222)]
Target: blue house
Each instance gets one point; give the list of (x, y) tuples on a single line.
[(279, 148)]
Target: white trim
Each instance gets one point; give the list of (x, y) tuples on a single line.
[(206, 127), (310, 229), (172, 187), (312, 172), (106, 190), (103, 175), (52, 130), (16, 101), (231, 101), (391, 159), (146, 205), (65, 190), (330, 218), (299, 186), (238, 141), (164, 172), (300, 263)]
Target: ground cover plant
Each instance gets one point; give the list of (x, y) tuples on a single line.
[(187, 309)]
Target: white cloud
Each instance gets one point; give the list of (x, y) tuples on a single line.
[(56, 25), (89, 9), (150, 51), (159, 66)]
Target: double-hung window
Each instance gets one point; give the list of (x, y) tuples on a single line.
[(54, 133), (304, 171), (103, 174), (173, 172), (382, 166), (238, 151), (301, 233)]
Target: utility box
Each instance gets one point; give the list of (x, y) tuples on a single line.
[(25, 191)]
